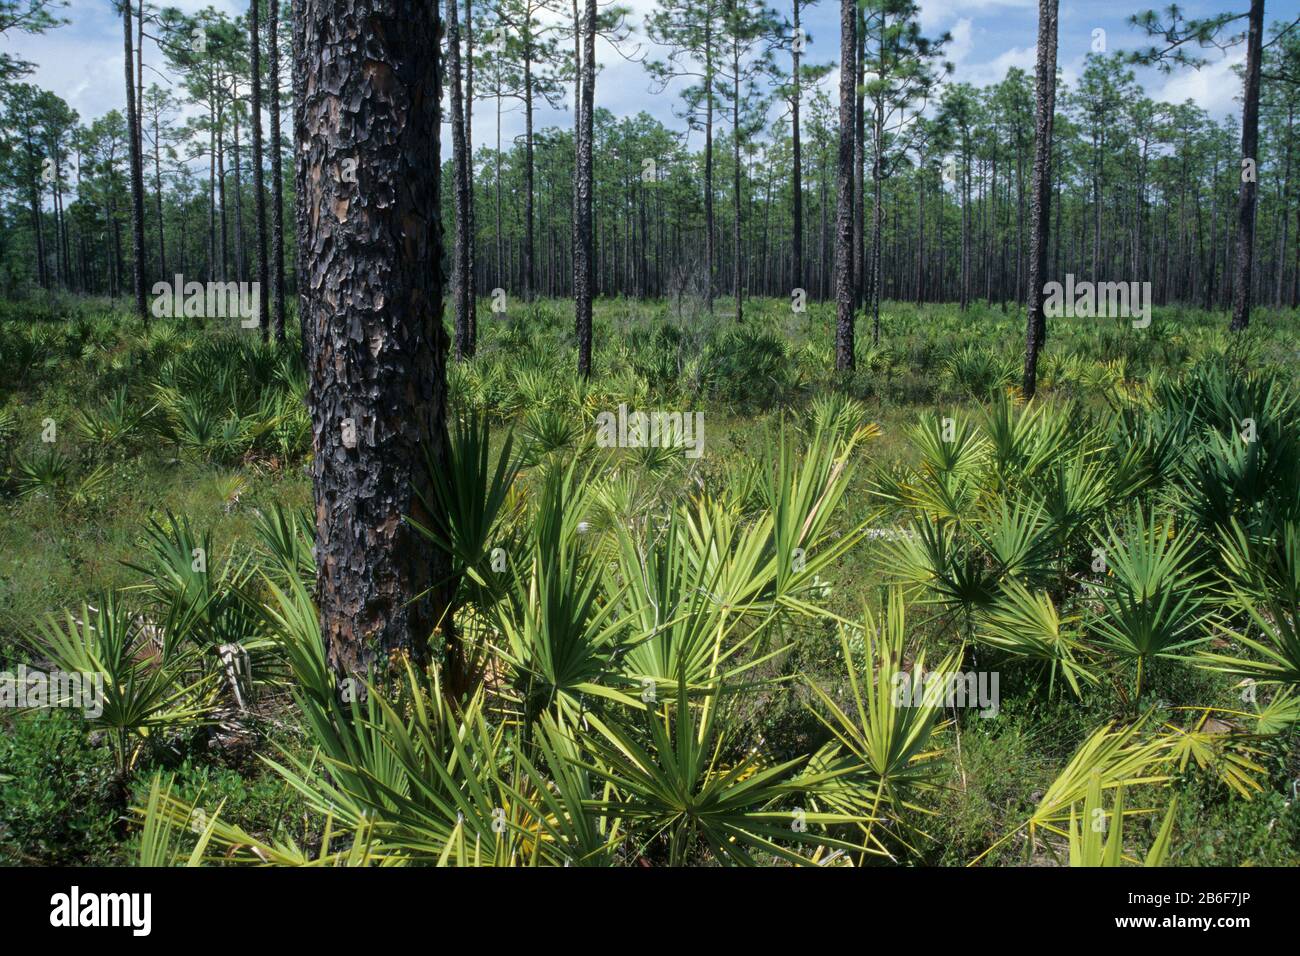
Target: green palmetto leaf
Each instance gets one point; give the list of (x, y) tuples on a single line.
[(802, 498), (560, 794), (1018, 537), (1226, 753), (1118, 756), (946, 482), (882, 747), (1097, 839), (940, 557), (1023, 442), (159, 845), (1277, 646), (471, 491), (1027, 624), (672, 596), (145, 689), (1152, 605), (670, 784)]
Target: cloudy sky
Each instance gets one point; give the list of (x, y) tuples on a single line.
[(82, 61)]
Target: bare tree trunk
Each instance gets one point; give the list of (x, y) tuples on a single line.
[(259, 199), (1040, 203), (845, 291), (460, 282), (277, 170), (582, 248), (1249, 187), (367, 72), (796, 244), (137, 169)]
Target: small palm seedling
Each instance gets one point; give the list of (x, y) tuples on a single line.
[(1151, 605), (883, 748), (46, 474), (114, 423), (675, 785), (147, 688)]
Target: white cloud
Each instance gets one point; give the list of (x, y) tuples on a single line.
[(1213, 88), (937, 13)]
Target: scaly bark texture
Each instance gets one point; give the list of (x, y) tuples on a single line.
[(845, 291), (1249, 150), (259, 197), (366, 124), (460, 283), (582, 251), (1041, 201)]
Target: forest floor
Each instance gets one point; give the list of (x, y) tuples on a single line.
[(128, 450)]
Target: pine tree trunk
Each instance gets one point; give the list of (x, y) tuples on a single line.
[(1040, 202), (366, 72), (259, 199), (460, 283), (137, 170), (277, 169), (1249, 187), (845, 291), (796, 243), (582, 249)]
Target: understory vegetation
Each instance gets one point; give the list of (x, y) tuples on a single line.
[(671, 660)]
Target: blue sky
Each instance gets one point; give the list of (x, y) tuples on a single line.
[(82, 61)]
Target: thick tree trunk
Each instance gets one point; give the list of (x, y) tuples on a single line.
[(367, 76), (1040, 203), (845, 291), (1249, 187)]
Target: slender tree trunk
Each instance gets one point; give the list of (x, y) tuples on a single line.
[(460, 283), (710, 248), (737, 265), (1040, 202), (530, 213), (583, 186), (277, 169), (471, 286), (158, 199), (259, 197), (845, 290), (796, 244), (1249, 187), (137, 170)]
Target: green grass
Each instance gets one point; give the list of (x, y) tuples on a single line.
[(75, 536)]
